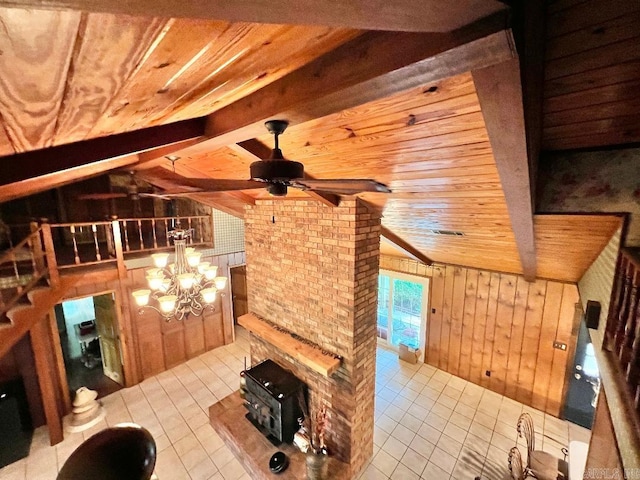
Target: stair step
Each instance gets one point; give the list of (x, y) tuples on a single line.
[(37, 291), (5, 322), (16, 308)]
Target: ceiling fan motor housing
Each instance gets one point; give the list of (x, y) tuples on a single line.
[(276, 170)]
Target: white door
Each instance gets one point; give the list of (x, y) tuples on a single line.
[(107, 325)]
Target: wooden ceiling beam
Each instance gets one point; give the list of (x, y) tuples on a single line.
[(530, 34), (374, 65), (152, 158), (28, 173), (397, 242), (259, 151), (399, 15), (31, 186), (499, 90)]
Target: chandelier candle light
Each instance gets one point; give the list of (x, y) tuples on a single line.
[(184, 288)]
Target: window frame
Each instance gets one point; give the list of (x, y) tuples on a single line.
[(425, 282)]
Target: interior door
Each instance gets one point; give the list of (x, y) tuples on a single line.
[(239, 292), (107, 325)]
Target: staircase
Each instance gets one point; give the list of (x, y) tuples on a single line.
[(23, 316)]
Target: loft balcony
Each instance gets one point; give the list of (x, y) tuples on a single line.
[(54, 249)]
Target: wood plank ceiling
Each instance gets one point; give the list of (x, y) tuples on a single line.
[(592, 74), (68, 76)]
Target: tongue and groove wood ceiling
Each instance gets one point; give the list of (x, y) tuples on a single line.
[(435, 132)]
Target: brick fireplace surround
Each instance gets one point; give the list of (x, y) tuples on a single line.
[(313, 270)]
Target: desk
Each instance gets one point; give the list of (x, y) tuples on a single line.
[(85, 339)]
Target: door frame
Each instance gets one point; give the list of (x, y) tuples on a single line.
[(231, 267), (57, 347), (426, 285)]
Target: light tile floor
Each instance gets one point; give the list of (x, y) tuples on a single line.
[(432, 425), (429, 424)]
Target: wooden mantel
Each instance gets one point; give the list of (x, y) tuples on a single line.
[(308, 355)]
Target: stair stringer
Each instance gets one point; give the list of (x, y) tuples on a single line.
[(24, 317)]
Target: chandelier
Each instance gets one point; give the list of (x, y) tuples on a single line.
[(186, 287)]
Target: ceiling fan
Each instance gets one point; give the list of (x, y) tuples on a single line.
[(275, 173), (131, 190)]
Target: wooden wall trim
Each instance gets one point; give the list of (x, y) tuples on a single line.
[(58, 361), (41, 342), (396, 241)]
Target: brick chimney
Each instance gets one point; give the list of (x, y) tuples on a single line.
[(313, 270)]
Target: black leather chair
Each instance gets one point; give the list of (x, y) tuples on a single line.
[(123, 452)]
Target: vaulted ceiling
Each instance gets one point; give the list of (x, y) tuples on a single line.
[(430, 103)]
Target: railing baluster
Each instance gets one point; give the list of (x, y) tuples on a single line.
[(166, 231), (126, 235), (616, 298), (621, 320), (34, 266), (110, 238), (633, 368), (140, 234), (189, 228), (630, 327), (153, 229), (94, 230), (37, 252), (16, 273), (200, 222), (76, 256)]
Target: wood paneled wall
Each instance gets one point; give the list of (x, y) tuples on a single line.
[(482, 321), (19, 363), (591, 74), (161, 345)]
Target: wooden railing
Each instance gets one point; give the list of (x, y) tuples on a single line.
[(622, 336), (51, 248), (91, 243), (21, 267)]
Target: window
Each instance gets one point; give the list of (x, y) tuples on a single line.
[(402, 309)]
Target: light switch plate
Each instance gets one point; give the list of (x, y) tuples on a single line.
[(560, 345)]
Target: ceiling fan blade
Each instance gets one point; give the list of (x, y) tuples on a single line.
[(346, 186), (101, 196), (161, 196), (177, 184)]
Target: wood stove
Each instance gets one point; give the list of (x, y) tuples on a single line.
[(272, 398)]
